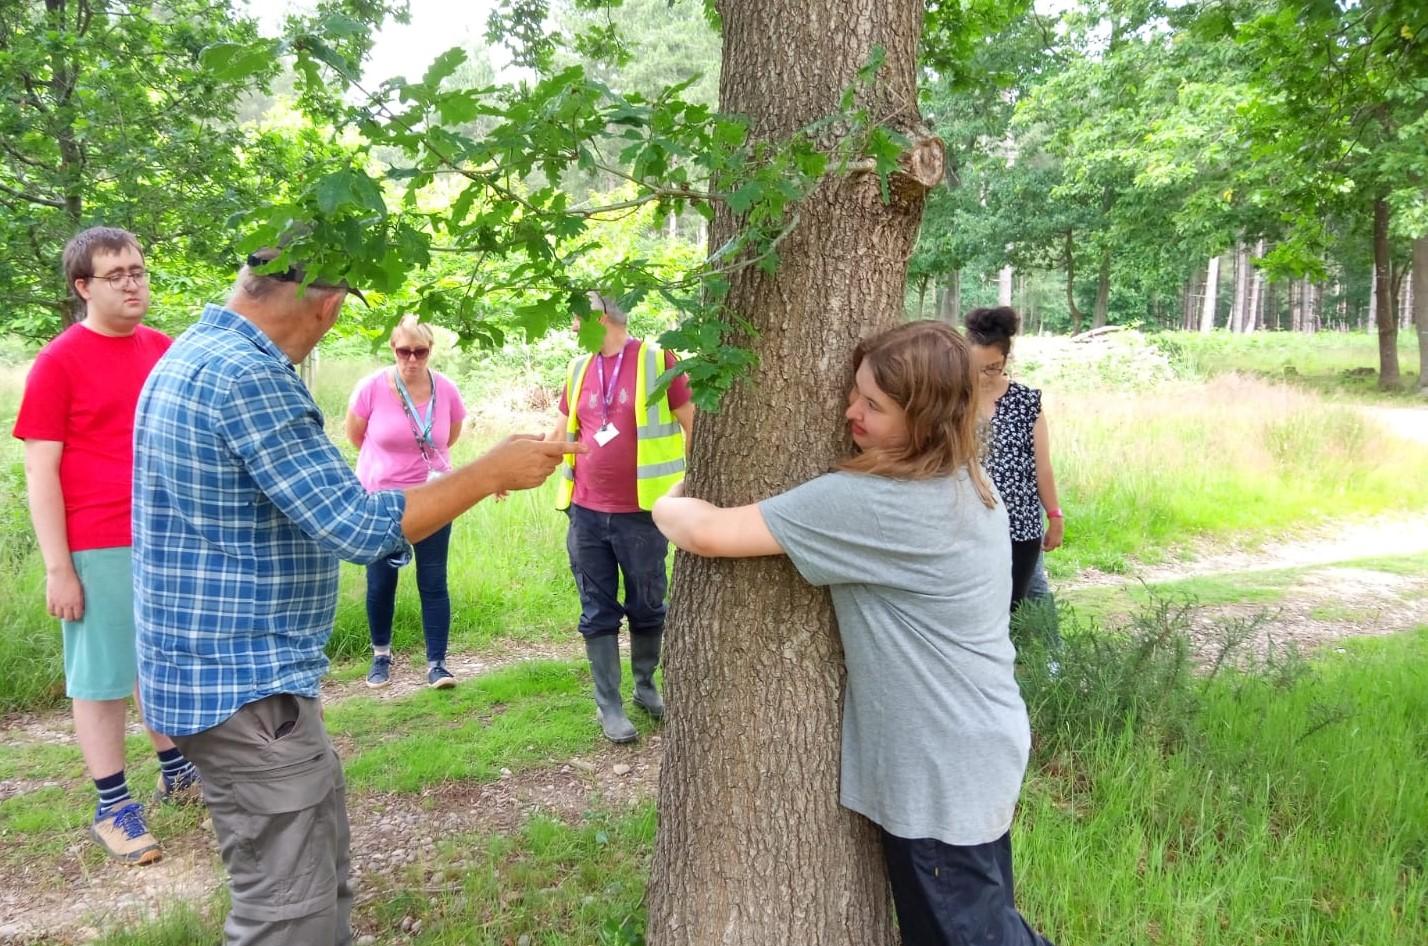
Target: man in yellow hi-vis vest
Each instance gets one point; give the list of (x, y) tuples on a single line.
[(637, 444)]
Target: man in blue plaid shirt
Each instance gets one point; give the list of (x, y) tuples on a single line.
[(242, 509)]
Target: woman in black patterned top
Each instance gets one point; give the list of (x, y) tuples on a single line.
[(1018, 457)]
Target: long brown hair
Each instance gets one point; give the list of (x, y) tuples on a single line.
[(926, 369)]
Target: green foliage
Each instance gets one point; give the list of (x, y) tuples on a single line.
[(123, 116)]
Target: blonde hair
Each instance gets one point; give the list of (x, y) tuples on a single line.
[(411, 325), (926, 368)]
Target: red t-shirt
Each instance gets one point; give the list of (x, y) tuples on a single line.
[(605, 477), (82, 391)]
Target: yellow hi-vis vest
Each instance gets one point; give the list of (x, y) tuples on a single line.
[(659, 440)]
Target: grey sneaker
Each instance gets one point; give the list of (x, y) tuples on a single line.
[(381, 673), (439, 678)]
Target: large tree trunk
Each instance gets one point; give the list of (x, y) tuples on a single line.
[(753, 848), (1103, 290), (1420, 308), (1383, 300), (1212, 288)]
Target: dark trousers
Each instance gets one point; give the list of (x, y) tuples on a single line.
[(277, 798), (1024, 556), (604, 547), (954, 895), (430, 555)]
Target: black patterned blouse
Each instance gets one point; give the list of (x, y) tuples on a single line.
[(1011, 458)]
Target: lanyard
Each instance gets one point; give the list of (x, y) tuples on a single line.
[(421, 427), (607, 396)]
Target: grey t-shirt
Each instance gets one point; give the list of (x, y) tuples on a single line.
[(935, 734)]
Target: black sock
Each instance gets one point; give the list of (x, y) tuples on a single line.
[(113, 791)]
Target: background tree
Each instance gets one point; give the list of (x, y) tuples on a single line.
[(108, 117)]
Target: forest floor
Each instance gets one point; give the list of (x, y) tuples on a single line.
[(1358, 578)]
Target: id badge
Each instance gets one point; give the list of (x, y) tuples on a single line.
[(605, 434), (434, 475)]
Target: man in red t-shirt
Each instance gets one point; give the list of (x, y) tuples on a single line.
[(77, 421), (611, 536)]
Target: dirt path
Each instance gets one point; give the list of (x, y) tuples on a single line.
[(1389, 536), (1329, 583), (1410, 423)]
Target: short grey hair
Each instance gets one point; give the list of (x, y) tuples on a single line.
[(607, 304)]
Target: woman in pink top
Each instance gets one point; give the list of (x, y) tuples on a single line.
[(403, 420)]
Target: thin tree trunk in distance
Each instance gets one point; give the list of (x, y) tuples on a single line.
[(1212, 284), (1237, 309), (753, 848), (1075, 313), (1420, 308), (950, 311), (1103, 290), (1383, 310), (1004, 285), (1256, 299)]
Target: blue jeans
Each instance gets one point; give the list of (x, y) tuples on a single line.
[(431, 586), (604, 546)]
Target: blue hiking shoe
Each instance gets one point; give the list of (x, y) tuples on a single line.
[(381, 673), (439, 678), (123, 834), (184, 789)]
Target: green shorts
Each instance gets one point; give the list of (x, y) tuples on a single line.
[(99, 655)]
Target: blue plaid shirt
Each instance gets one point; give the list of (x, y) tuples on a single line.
[(242, 508)]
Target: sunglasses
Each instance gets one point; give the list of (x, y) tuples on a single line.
[(417, 353)]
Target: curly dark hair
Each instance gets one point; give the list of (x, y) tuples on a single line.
[(993, 326)]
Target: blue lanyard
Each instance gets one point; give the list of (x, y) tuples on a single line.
[(608, 396), (423, 428)]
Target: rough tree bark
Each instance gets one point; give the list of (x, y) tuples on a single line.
[(1383, 300), (1420, 308), (753, 848), (1212, 289)]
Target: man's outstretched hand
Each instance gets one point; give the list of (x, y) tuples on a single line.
[(524, 461)]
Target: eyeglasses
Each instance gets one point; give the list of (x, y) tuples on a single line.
[(417, 353), (117, 280)]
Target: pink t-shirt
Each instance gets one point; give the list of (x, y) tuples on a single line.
[(390, 457), (605, 477), (82, 391)]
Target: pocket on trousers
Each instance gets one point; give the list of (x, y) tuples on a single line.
[(286, 789)]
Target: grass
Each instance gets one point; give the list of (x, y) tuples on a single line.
[(549, 883), (525, 716), (1147, 473), (1144, 473), (1329, 362), (1295, 816), (1293, 812)]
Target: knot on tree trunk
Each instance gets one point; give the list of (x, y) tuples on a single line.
[(919, 169)]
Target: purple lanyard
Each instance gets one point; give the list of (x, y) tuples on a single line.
[(607, 396)]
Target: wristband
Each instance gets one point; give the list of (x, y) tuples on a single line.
[(1054, 513)]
